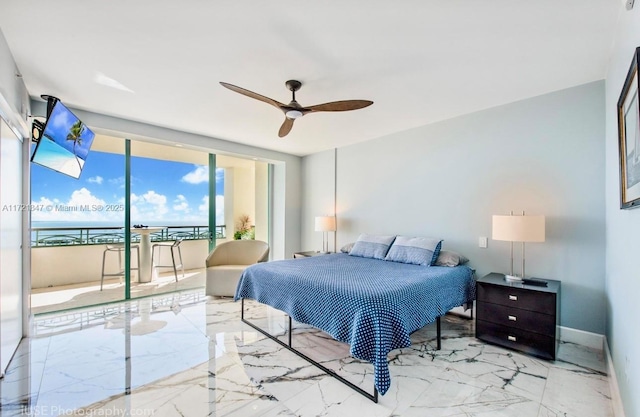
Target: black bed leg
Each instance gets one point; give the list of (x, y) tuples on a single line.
[(242, 308), (373, 397), (438, 330)]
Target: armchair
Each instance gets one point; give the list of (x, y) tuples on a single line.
[(227, 261)]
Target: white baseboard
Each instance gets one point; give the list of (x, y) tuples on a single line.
[(616, 400), (580, 337)]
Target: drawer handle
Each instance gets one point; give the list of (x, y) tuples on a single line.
[(513, 297), (511, 338), (513, 318)]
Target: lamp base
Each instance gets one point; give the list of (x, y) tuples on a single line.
[(512, 278)]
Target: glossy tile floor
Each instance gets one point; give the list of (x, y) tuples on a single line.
[(190, 355)]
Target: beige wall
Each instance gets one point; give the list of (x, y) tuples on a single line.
[(244, 201), (262, 201), (246, 193)]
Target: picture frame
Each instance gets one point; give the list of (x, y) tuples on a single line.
[(629, 137)]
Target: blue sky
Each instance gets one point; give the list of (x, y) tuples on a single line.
[(162, 192)]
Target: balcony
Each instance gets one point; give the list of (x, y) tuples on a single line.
[(66, 265)]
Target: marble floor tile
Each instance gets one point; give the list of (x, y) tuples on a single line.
[(576, 391), (186, 354), (583, 356)]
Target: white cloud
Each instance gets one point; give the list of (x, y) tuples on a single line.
[(81, 206), (219, 174), (181, 204), (148, 207), (43, 201), (96, 180), (154, 198), (83, 197), (197, 176)]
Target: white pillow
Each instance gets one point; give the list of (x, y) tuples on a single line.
[(372, 246), (414, 250)]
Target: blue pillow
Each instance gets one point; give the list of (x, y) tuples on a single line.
[(414, 250), (372, 246)]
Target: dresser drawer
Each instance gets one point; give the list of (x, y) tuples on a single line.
[(524, 299), (518, 318), (522, 340)]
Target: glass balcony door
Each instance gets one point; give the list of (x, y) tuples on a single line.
[(140, 221), (169, 217), (78, 231)]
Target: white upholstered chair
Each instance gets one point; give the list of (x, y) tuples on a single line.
[(227, 261)]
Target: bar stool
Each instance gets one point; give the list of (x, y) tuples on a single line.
[(119, 248), (175, 245)]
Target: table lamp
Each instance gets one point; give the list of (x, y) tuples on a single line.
[(325, 224), (518, 229)]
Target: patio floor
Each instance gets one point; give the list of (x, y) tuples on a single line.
[(45, 300)]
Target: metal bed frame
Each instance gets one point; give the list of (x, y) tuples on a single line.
[(373, 397)]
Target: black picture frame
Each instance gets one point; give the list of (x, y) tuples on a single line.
[(629, 137)]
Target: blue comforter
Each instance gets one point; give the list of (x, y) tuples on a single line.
[(373, 305)]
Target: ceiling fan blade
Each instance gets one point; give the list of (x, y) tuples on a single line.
[(286, 127), (344, 105), (251, 94)]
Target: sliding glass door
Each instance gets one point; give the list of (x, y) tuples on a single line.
[(140, 221), (77, 231), (169, 209), (11, 243)]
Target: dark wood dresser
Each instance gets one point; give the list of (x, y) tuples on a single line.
[(518, 316)]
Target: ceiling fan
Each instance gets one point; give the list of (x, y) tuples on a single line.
[(293, 110)]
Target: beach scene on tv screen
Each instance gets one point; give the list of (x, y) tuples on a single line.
[(65, 143)]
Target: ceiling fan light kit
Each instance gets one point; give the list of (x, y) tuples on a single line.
[(293, 114), (294, 110)]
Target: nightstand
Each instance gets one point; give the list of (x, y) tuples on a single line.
[(518, 316), (309, 254)]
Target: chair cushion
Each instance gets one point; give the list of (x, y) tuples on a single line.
[(222, 280)]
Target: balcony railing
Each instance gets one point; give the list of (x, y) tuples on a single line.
[(68, 236)]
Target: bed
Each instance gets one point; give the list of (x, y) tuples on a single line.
[(373, 305)]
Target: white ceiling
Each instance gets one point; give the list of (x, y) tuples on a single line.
[(420, 61)]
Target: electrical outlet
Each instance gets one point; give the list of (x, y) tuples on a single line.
[(483, 242)]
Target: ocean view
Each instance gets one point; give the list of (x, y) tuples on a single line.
[(89, 224), (48, 233)]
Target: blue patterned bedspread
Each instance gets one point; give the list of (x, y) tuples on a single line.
[(373, 305)]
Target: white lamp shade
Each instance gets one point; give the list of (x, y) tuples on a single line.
[(518, 228), (325, 224)]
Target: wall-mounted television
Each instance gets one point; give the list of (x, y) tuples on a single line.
[(65, 142)]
